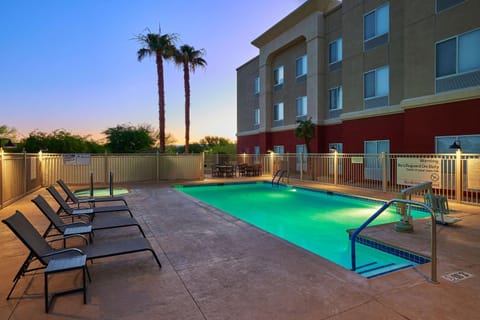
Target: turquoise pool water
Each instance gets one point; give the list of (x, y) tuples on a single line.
[(316, 221)]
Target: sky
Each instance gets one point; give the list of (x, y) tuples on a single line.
[(72, 64)]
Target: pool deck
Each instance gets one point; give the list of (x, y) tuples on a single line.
[(217, 267)]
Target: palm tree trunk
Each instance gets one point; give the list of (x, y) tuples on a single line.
[(186, 79), (161, 101)]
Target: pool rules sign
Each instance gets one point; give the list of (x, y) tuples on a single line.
[(414, 171)]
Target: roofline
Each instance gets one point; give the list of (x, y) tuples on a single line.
[(306, 9)]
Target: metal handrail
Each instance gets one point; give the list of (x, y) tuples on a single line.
[(433, 258)]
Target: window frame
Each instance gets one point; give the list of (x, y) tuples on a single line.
[(374, 11), (375, 83), (339, 97), (256, 116), (277, 81), (256, 85), (304, 64), (304, 106), (457, 55), (276, 111), (339, 56), (459, 2)]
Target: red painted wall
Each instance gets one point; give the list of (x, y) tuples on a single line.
[(413, 131), (423, 124), (356, 132)]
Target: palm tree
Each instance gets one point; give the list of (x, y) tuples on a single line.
[(162, 47), (305, 130), (190, 59)]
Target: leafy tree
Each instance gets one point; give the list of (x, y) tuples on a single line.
[(129, 139), (60, 141), (161, 46), (214, 144), (214, 141), (190, 59), (6, 134)]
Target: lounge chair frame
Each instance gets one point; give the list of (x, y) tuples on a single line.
[(65, 207), (43, 252), (91, 201)]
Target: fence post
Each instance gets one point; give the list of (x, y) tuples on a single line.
[(158, 165), (24, 171), (458, 176), (107, 169), (91, 184), (335, 166), (301, 166), (383, 158)]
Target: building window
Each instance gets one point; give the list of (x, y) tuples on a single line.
[(301, 157), (457, 62), (278, 76), (335, 98), (335, 51), (441, 5), (301, 103), (376, 27), (278, 111), (376, 87), (468, 143), (279, 149), (256, 116), (458, 54), (256, 154), (256, 85), (373, 161), (301, 66)]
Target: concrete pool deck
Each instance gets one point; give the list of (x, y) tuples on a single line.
[(218, 267)]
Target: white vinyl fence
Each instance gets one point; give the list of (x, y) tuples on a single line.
[(456, 176)]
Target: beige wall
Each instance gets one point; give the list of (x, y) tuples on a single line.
[(415, 28), (246, 98)]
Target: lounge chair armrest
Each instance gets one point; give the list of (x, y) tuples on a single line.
[(76, 223), (64, 238), (86, 200), (78, 215), (62, 251)]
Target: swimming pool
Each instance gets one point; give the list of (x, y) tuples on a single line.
[(314, 220)]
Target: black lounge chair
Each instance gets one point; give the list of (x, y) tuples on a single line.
[(71, 197), (43, 252), (82, 227), (65, 207)]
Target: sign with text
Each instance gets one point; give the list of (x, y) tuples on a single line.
[(414, 171), (82, 159), (473, 176)]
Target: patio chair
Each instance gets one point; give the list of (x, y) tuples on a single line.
[(42, 252), (439, 205), (72, 198), (81, 227), (65, 207)]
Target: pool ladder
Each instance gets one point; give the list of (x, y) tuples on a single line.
[(405, 192), (279, 174)]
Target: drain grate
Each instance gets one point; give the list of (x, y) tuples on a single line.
[(457, 276)]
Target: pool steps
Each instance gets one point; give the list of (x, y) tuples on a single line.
[(375, 269)]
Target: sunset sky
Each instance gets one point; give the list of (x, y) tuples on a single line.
[(72, 64)]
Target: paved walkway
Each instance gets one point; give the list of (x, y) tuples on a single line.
[(216, 267)]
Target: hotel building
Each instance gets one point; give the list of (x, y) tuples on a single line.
[(372, 75)]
